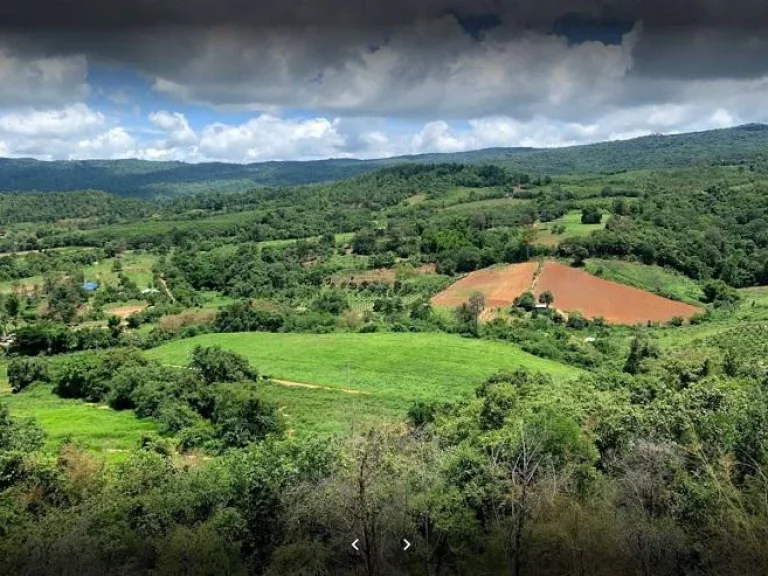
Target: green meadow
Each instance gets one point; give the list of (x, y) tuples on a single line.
[(364, 375)]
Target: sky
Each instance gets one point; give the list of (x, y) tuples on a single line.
[(247, 81)]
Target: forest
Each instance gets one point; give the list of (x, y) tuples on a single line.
[(155, 180), (250, 379)]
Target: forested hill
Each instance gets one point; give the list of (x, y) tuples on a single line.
[(153, 179)]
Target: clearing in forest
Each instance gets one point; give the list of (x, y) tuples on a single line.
[(576, 290), (124, 311), (499, 285), (388, 371)]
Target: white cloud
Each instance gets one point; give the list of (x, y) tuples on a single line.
[(176, 126), (114, 143), (79, 132), (271, 138), (72, 132), (52, 123)]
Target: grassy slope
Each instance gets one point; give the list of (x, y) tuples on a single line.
[(573, 227), (96, 428), (651, 278), (393, 370)]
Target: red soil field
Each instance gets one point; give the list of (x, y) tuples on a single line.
[(594, 297), (500, 286)]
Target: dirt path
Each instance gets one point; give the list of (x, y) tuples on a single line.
[(167, 291), (292, 384)]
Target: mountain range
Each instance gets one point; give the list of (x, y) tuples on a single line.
[(148, 179)]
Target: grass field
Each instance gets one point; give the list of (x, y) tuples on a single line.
[(390, 370), (96, 428), (753, 305), (573, 227), (137, 266), (654, 279)]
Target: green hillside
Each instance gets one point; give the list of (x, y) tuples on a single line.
[(147, 179), (391, 371)]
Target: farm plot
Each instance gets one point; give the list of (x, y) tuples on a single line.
[(388, 372), (575, 290), (500, 286)]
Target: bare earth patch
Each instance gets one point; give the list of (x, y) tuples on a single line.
[(594, 297), (500, 286), (125, 311)]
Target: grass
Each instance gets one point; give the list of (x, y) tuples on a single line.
[(656, 279), (753, 305), (96, 428), (392, 370), (573, 228), (136, 266)]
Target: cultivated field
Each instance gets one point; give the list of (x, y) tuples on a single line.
[(388, 371), (499, 285), (575, 290)]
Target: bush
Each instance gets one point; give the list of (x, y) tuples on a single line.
[(576, 320), (331, 301), (591, 215), (24, 371), (241, 417), (217, 365), (526, 301), (42, 338), (719, 293)]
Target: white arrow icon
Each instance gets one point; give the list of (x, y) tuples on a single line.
[(407, 544), (354, 544)]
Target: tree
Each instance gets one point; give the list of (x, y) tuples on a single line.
[(331, 301), (580, 254), (468, 313), (546, 298), (13, 307), (591, 215), (24, 371), (640, 348), (476, 306), (114, 323), (421, 309), (364, 243), (719, 293), (64, 298), (217, 365), (241, 417), (526, 301)]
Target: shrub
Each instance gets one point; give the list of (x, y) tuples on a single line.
[(217, 365), (526, 301), (576, 320), (241, 417), (24, 371)]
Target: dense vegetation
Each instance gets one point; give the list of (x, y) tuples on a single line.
[(166, 179), (245, 381)]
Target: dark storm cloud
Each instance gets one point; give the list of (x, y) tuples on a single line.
[(426, 59), (100, 14)]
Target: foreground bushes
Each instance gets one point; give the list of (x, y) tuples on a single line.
[(615, 474), (216, 397)]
